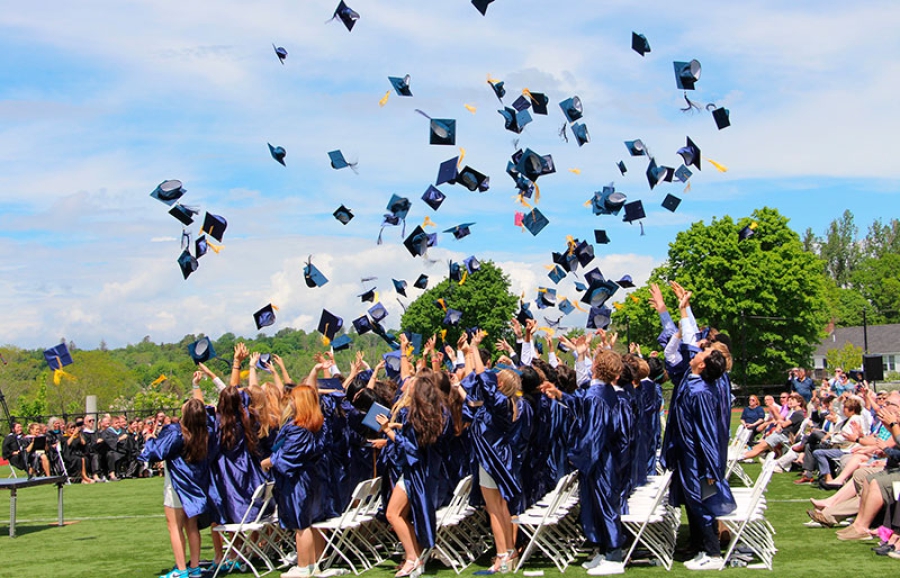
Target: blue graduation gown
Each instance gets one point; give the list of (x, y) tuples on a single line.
[(235, 472), (418, 464), (298, 487), (624, 439), (522, 434), (547, 458)]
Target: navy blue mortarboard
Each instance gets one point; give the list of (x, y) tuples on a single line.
[(607, 201), (598, 292), (514, 120), (214, 226), (399, 206), (343, 214), (600, 237), (532, 165), (377, 312), (280, 52), (329, 324), (521, 103), (58, 356), (265, 316), (639, 43), (338, 161), (401, 85), (368, 296), (447, 172), (584, 251), (634, 211), (594, 276), (399, 286), (312, 276), (168, 191), (200, 246), (341, 342), (579, 129), (264, 359), (625, 282), (202, 350), (599, 318), (572, 108), (362, 325), (747, 232), (347, 16), (557, 274), (278, 153), (565, 306), (187, 263), (683, 174), (636, 148), (622, 168), (433, 197), (421, 282), (671, 202), (524, 313), (534, 221), (691, 154), (456, 273), (481, 5), (183, 213), (460, 231), (720, 115), (546, 297), (452, 317), (473, 180), (567, 260), (539, 102), (654, 175), (497, 87), (417, 242), (686, 74), (472, 264), (442, 131)]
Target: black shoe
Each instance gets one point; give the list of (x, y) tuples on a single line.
[(884, 549)]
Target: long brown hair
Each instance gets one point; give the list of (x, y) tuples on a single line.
[(194, 431), (510, 384), (450, 399), (231, 412), (425, 415), (303, 408), (265, 407)]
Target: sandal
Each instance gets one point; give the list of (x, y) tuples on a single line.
[(407, 569)]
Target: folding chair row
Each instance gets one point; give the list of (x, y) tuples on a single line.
[(652, 522), (736, 449), (256, 535), (551, 525), (352, 536), (748, 525), (460, 536)]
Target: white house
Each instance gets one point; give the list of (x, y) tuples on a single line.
[(883, 340)]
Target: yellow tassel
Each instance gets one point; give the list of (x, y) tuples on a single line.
[(537, 194), (634, 298), (384, 98), (214, 247), (158, 380), (522, 200), (491, 80), (470, 108), (463, 278), (687, 187), (428, 222), (275, 307), (59, 374), (577, 306), (576, 171), (443, 334), (618, 306), (443, 304), (721, 168), (754, 225), (376, 297), (245, 374), (588, 202), (549, 267), (462, 155), (409, 350), (546, 330), (542, 289)]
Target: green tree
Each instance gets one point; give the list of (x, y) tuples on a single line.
[(766, 292), (847, 357), (484, 300), (878, 280), (845, 306), (840, 250), (883, 239)]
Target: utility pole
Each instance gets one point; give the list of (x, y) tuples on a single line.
[(865, 333)]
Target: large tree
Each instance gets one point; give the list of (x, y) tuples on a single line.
[(766, 292)]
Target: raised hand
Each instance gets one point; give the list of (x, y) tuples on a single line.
[(656, 298)]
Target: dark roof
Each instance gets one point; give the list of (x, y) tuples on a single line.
[(882, 339)]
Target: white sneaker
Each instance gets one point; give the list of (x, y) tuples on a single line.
[(607, 568), (705, 562), (593, 562), (299, 572)]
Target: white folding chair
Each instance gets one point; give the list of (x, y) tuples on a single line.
[(238, 538), (736, 449), (545, 528), (340, 532), (747, 524), (12, 470), (455, 543), (651, 521)]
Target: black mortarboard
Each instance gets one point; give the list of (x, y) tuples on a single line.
[(452, 317), (534, 221), (433, 197), (472, 264), (183, 213), (200, 246), (671, 202), (598, 292), (566, 260), (607, 201), (625, 282), (584, 252), (521, 103), (399, 286), (460, 231), (530, 164), (524, 313), (572, 108), (653, 173), (417, 242), (686, 74), (202, 350), (622, 168), (168, 191), (377, 312), (598, 318), (691, 154), (329, 324), (362, 325), (546, 297), (337, 160), (214, 226), (720, 115), (579, 129), (58, 356), (421, 282), (539, 102), (634, 211), (340, 343), (747, 232), (473, 180), (639, 43), (525, 186), (481, 5), (594, 276), (497, 87), (368, 296), (636, 147), (278, 153), (447, 172), (600, 237), (557, 274), (343, 214), (347, 16), (187, 263), (442, 131), (264, 317), (399, 206), (514, 120), (280, 52), (683, 174), (312, 276), (401, 85)]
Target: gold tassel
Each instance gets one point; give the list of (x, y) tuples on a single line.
[(537, 194), (443, 304), (214, 247), (470, 108), (463, 278), (618, 306), (158, 380), (721, 168), (550, 267), (245, 374), (428, 222), (588, 202), (384, 99), (687, 187), (462, 155), (754, 225), (443, 334), (634, 298), (577, 306), (547, 330), (59, 374), (576, 171)]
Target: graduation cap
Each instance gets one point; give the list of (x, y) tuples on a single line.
[(401, 85), (532, 165), (720, 115), (433, 197), (312, 276), (584, 252), (202, 350), (639, 43), (368, 296), (280, 52), (473, 180), (572, 108), (608, 201), (671, 202), (417, 242), (343, 214), (265, 316), (599, 292), (278, 153), (521, 103), (347, 16), (634, 211), (187, 263), (557, 274), (524, 313), (421, 282), (362, 325), (515, 120), (546, 297), (636, 148), (452, 317), (690, 153), (200, 246), (686, 74), (599, 318), (654, 175), (600, 237), (567, 260), (456, 272), (481, 5), (168, 191), (399, 206), (747, 231), (580, 131), (329, 324), (447, 172), (460, 231), (377, 312), (392, 364), (683, 174), (214, 226), (625, 282), (497, 87), (525, 186), (472, 264), (442, 131), (58, 357), (341, 343), (565, 306), (338, 161), (535, 221), (183, 213), (594, 276), (622, 168)]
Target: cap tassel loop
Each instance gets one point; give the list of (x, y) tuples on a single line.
[(428, 222), (185, 238), (537, 193)]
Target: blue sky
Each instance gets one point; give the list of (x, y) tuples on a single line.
[(100, 101)]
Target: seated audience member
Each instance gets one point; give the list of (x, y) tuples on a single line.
[(753, 417), (834, 443), (13, 451), (36, 449), (784, 429), (801, 383)]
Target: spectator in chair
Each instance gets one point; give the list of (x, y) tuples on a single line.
[(753, 417), (12, 448), (784, 430)]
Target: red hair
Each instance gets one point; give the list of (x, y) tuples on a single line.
[(304, 408)]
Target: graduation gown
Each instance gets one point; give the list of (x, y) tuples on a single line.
[(295, 457), (547, 458), (235, 473), (624, 440), (522, 435), (418, 464)]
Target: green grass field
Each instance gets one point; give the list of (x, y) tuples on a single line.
[(118, 529)]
